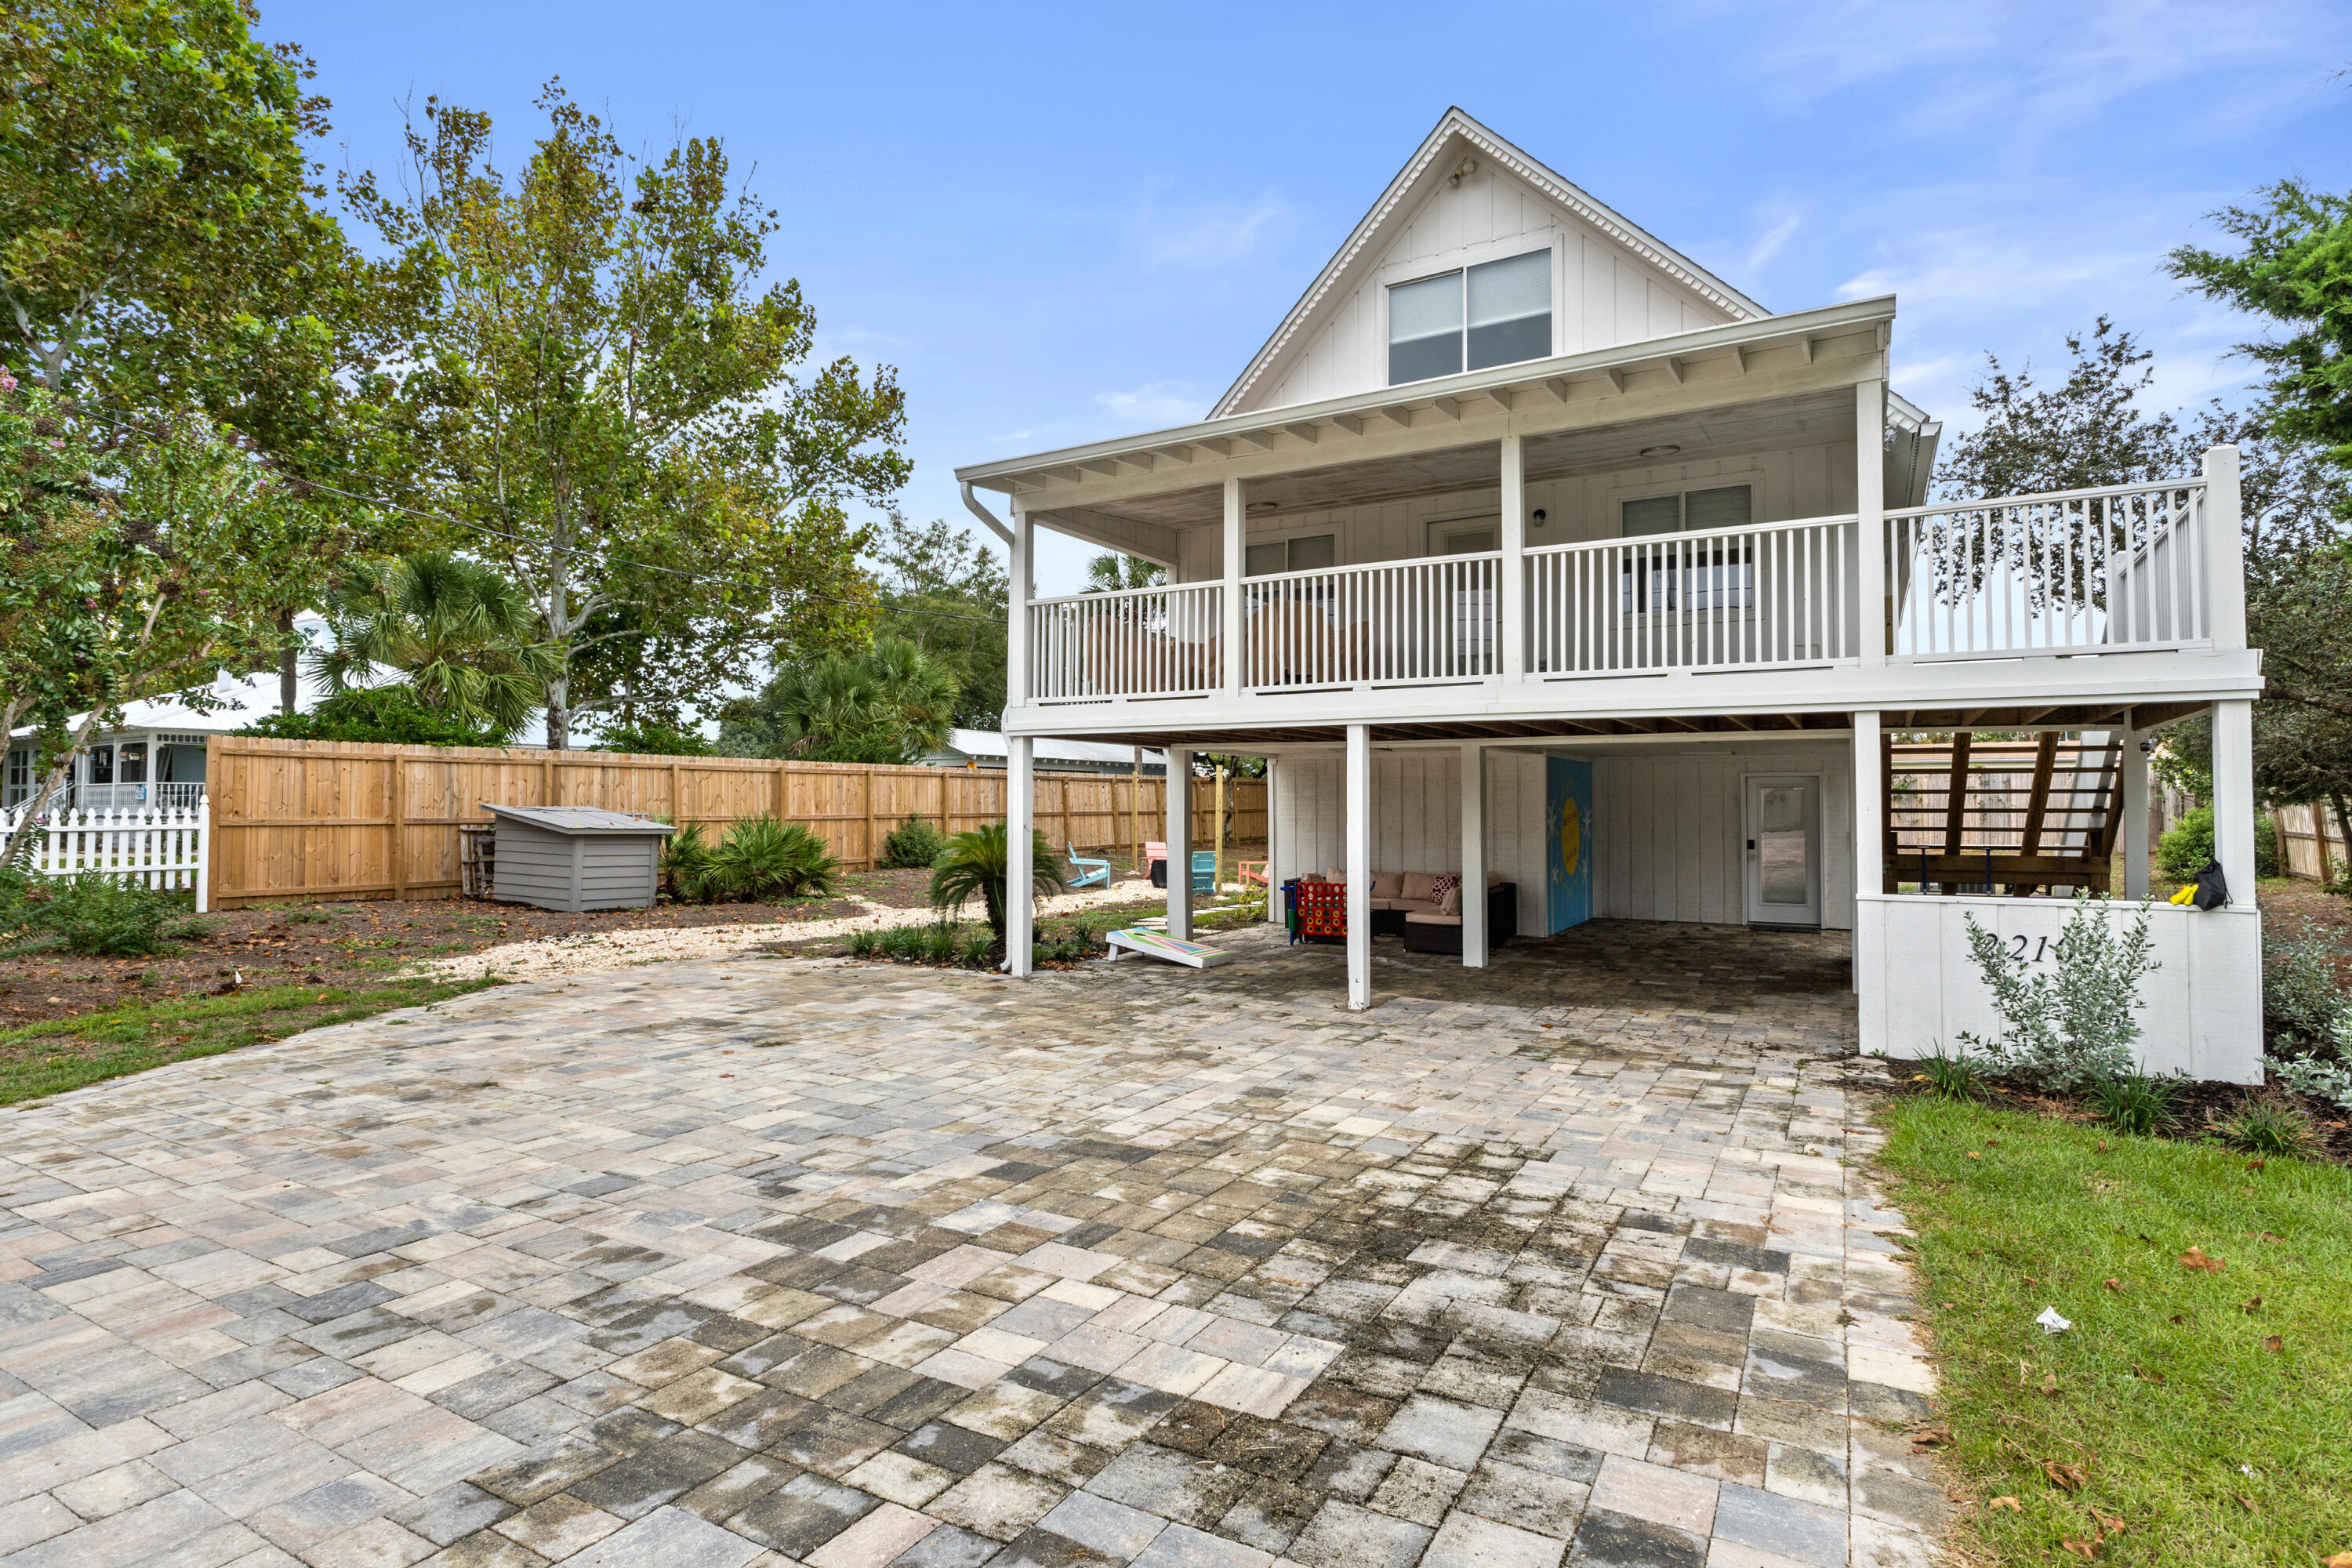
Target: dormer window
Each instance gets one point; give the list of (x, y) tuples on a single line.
[(1473, 318)]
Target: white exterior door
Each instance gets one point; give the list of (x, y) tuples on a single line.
[(1782, 817)]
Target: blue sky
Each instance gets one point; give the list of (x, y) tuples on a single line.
[(1066, 223)]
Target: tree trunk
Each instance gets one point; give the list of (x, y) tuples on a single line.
[(53, 782), (2343, 832), (289, 673)]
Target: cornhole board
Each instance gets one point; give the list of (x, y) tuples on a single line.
[(1155, 944)]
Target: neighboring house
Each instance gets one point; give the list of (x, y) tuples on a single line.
[(986, 748), (151, 761), (1519, 495)]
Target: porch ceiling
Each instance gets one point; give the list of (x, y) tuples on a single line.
[(2117, 714), (1730, 431)]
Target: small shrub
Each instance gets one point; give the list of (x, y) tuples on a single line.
[(2181, 853), (942, 943), (762, 860), (2267, 1125), (686, 866), (2138, 1103), (2301, 995), (912, 846), (2331, 1081), (104, 916), (1951, 1078), (2072, 1025)]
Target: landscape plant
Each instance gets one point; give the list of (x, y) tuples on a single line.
[(760, 860), (913, 844), (888, 704), (93, 914), (2267, 1125), (459, 638), (2138, 1103), (978, 864), (385, 715), (2070, 1025), (2188, 845)]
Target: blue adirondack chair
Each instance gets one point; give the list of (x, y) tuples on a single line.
[(1088, 873), (1204, 871)]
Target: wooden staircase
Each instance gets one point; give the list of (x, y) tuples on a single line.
[(1964, 815)]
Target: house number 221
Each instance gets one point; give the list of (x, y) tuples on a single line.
[(2041, 949)]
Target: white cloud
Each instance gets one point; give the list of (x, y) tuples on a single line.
[(1153, 405), (1772, 242), (1205, 234)]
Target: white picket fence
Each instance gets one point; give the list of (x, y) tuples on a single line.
[(164, 847)]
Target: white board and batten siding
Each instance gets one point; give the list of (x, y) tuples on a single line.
[(1789, 484), (1669, 843), (1919, 989), (1603, 294), (1416, 817)]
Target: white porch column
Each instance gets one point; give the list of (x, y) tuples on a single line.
[(1474, 856), (1020, 847), (1869, 858), (2225, 552), (1230, 604), (1021, 588), (2134, 810), (2233, 794), (1179, 845), (1511, 603), (1274, 867), (1359, 865), (1870, 507)]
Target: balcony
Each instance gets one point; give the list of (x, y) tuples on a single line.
[(2123, 569)]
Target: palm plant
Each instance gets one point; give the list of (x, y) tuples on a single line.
[(980, 862), (888, 704), (1110, 574), (762, 860), (461, 638)]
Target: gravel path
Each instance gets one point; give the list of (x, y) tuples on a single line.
[(590, 952)]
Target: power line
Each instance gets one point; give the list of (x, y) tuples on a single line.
[(80, 407)]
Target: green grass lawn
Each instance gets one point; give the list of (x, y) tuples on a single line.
[(2210, 1445), (50, 1058)]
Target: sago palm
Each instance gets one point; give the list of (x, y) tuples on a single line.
[(460, 636), (980, 862)]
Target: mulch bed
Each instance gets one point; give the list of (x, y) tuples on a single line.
[(340, 943), (2200, 1107)]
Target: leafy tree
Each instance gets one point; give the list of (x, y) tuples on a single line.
[(157, 547), (600, 390), (655, 740), (389, 715), (890, 704), (459, 638), (2295, 267), (945, 592), (1110, 574), (2086, 431)]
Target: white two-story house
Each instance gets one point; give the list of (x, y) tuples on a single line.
[(1527, 546)]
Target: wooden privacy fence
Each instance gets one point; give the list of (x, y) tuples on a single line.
[(2311, 844), (301, 819)]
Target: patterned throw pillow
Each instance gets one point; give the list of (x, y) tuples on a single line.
[(1440, 886)]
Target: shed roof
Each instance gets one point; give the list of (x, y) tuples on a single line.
[(579, 819)]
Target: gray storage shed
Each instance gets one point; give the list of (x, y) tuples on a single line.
[(575, 856)]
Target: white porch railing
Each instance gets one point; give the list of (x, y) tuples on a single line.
[(1399, 621), (129, 797), (2119, 567), (164, 847), (1143, 642), (1776, 594)]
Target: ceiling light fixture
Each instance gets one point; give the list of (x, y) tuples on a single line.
[(1262, 506), (1666, 451)]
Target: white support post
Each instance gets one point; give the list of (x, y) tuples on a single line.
[(1359, 867), (1021, 851), (1021, 588), (1869, 845), (205, 854), (1474, 856), (2134, 810), (1236, 554), (1511, 602), (2225, 552), (1870, 510), (1273, 869), (1179, 845), (2234, 796)]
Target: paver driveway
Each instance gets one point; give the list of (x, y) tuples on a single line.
[(716, 1264)]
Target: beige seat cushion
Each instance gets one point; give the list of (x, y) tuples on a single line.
[(1334, 874), (1415, 885), (1431, 917)]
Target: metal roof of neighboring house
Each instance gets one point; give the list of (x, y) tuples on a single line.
[(578, 819), (991, 743)]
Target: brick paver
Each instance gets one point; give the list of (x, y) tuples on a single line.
[(756, 1261)]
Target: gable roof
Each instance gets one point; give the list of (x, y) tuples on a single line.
[(1457, 129)]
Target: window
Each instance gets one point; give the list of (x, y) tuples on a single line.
[(131, 763), (20, 778), (1688, 511), (1499, 312), (1465, 536), (1312, 552), (102, 764)]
